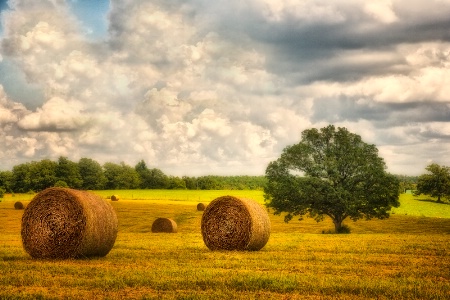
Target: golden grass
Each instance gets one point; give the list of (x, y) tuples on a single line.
[(403, 257)]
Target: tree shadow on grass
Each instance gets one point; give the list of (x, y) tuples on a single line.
[(433, 201)]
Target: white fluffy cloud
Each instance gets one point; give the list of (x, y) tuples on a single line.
[(55, 115), (202, 87)]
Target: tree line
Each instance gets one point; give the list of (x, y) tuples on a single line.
[(88, 174)]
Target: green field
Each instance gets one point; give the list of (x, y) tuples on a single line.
[(404, 257), (422, 206)]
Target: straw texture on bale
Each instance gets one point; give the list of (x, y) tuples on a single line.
[(114, 198), (19, 205), (164, 225), (231, 223), (201, 207), (62, 223)]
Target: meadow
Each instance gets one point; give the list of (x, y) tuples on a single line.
[(404, 257)]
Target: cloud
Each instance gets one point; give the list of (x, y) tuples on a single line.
[(381, 11), (10, 112), (201, 87), (348, 35), (55, 115)]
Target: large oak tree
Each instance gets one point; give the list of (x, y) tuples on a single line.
[(331, 173)]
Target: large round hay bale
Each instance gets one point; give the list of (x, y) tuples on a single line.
[(65, 223), (164, 225), (201, 207), (231, 223), (114, 198), (19, 205)]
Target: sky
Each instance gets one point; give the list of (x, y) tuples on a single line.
[(196, 87)]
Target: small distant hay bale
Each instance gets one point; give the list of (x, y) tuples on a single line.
[(114, 198), (164, 225), (231, 223), (61, 223), (201, 207), (19, 205)]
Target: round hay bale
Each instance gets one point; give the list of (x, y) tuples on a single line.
[(164, 225), (201, 207), (231, 223), (19, 205), (62, 223), (114, 198)]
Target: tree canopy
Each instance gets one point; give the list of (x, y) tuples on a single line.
[(68, 171), (120, 176), (93, 177), (331, 173)]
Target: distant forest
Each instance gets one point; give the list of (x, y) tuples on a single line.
[(88, 174)]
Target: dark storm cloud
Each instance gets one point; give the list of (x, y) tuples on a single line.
[(316, 53), (383, 114), (305, 50)]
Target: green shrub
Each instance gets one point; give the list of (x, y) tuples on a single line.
[(344, 229), (61, 183)]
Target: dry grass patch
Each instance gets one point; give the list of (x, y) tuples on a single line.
[(402, 257)]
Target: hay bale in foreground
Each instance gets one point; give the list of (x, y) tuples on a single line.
[(65, 223), (114, 198), (201, 207), (19, 205), (231, 223), (164, 225)]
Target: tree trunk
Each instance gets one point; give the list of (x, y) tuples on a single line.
[(337, 224), (439, 199)]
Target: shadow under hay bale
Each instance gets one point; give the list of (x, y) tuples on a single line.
[(231, 223), (62, 223), (201, 207), (114, 198), (19, 205), (164, 225)]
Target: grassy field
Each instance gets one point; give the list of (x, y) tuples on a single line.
[(404, 257), (194, 196)]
